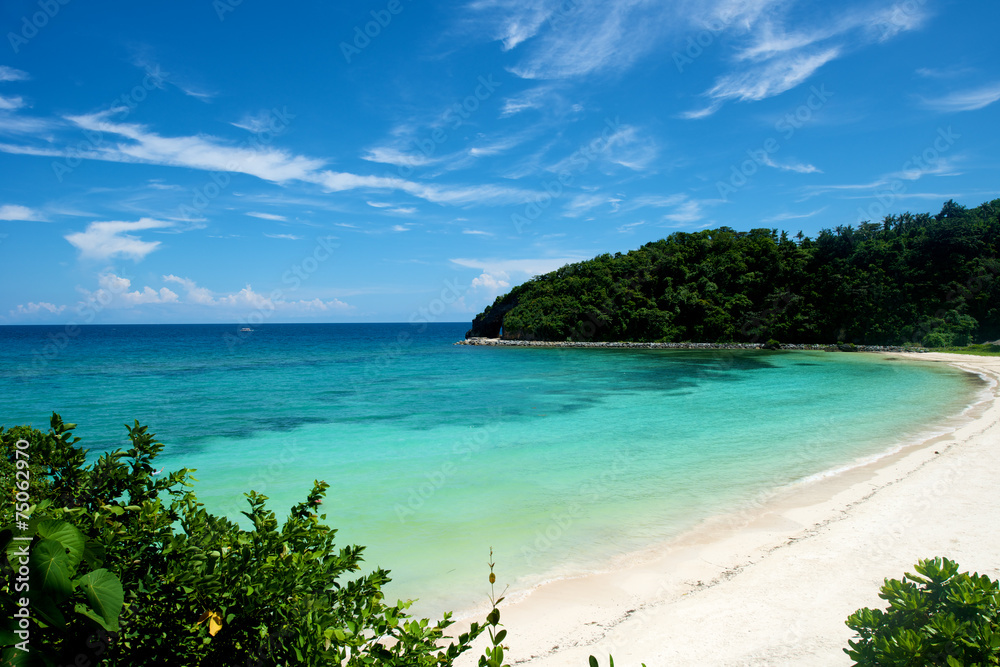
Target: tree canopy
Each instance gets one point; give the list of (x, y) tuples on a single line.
[(926, 279)]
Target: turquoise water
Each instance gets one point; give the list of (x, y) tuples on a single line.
[(557, 459)]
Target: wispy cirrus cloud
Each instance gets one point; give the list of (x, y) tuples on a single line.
[(770, 58), (141, 145), (780, 217), (797, 167), (268, 216), (104, 240), (558, 39), (11, 74), (965, 100)]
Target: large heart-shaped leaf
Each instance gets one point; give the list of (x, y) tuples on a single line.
[(51, 570), (106, 597), (66, 534)]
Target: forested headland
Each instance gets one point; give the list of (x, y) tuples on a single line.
[(926, 279)]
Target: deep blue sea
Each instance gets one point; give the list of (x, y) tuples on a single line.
[(560, 460)]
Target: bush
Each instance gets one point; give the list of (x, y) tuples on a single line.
[(935, 617), (129, 569), (937, 339)]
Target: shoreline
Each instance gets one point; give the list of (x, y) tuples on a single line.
[(628, 345), (773, 584)]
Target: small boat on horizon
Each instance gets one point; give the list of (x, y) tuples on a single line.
[(246, 329)]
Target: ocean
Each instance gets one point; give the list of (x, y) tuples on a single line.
[(560, 460)]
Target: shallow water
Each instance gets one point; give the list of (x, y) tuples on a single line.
[(558, 459)]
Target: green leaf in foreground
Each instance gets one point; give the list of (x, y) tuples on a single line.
[(51, 567), (105, 594)]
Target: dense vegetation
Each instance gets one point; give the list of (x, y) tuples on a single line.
[(923, 279), (115, 565), (935, 617)]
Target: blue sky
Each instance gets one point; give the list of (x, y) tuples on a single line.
[(398, 160)]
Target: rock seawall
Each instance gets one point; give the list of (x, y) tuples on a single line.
[(499, 342)]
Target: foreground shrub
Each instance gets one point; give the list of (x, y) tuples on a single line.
[(935, 617), (128, 568)]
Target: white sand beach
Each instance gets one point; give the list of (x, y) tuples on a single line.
[(775, 585)]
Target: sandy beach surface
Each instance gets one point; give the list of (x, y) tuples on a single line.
[(774, 585)]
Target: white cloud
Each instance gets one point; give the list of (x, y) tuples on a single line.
[(772, 79), (268, 216), (491, 283), (397, 157), (687, 213), (195, 294), (289, 237), (207, 153), (114, 292), (966, 100), (476, 232), (400, 228), (571, 39), (16, 212), (793, 216), (770, 59), (797, 167), (628, 228), (534, 98), (197, 152), (248, 298), (11, 74), (103, 240), (10, 103), (35, 308), (581, 204)]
